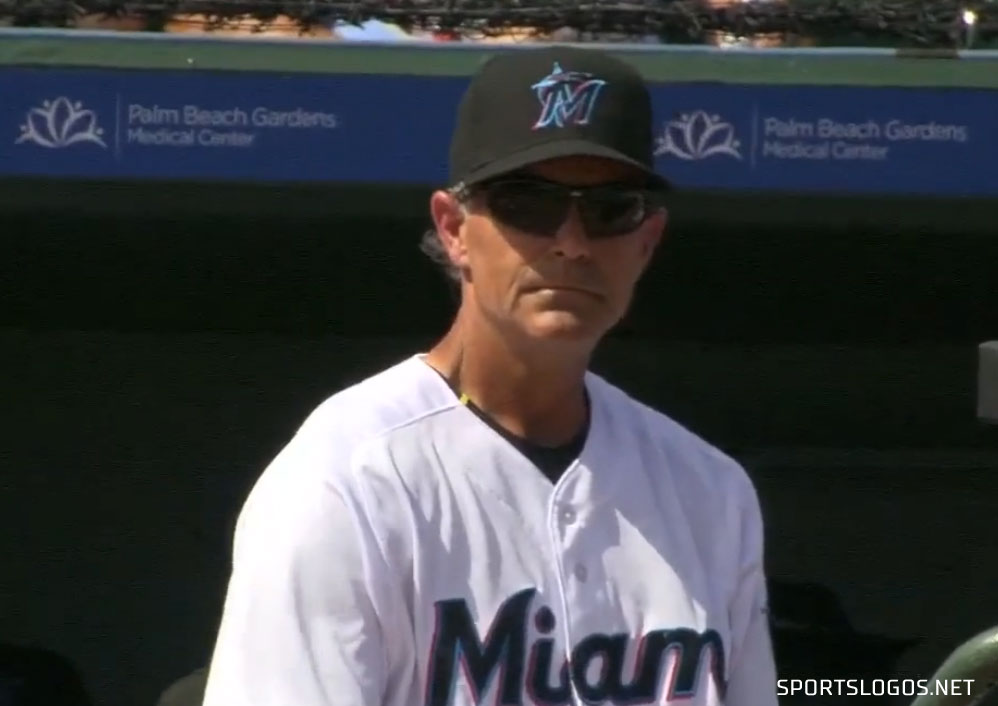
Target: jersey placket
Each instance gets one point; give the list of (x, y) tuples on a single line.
[(572, 547)]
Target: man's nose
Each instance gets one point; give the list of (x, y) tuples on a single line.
[(571, 240)]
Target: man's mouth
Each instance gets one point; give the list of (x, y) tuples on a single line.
[(565, 288)]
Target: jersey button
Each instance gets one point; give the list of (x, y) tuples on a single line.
[(581, 572), (567, 515)]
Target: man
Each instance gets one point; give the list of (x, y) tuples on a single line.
[(490, 522)]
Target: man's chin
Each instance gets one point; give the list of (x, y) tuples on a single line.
[(564, 326)]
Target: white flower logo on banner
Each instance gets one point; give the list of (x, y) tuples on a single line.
[(698, 135), (61, 123)]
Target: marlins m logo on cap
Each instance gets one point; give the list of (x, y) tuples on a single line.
[(567, 97)]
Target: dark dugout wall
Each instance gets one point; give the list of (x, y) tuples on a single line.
[(160, 345)]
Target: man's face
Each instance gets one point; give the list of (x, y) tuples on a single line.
[(567, 285)]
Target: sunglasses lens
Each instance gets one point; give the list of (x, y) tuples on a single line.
[(540, 208), (528, 206), (611, 212)]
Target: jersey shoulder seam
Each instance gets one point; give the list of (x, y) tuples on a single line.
[(353, 478), (375, 436)]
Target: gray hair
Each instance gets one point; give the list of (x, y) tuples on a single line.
[(432, 247)]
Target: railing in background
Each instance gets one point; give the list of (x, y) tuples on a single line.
[(987, 382)]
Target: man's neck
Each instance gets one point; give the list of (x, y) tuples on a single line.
[(533, 391)]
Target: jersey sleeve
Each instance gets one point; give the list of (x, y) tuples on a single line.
[(752, 680), (301, 624)]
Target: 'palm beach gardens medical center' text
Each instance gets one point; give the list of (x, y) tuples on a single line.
[(790, 138), (193, 125)]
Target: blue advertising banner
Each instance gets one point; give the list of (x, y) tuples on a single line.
[(106, 124)]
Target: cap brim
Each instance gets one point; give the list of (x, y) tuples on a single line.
[(553, 150)]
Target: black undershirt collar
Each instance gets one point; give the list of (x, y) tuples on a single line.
[(552, 461)]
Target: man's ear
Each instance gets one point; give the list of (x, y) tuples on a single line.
[(448, 217), (654, 233)]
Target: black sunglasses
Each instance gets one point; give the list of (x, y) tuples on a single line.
[(539, 207)]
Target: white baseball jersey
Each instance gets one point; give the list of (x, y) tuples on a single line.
[(400, 552)]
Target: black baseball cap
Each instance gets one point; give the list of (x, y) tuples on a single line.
[(528, 105)]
